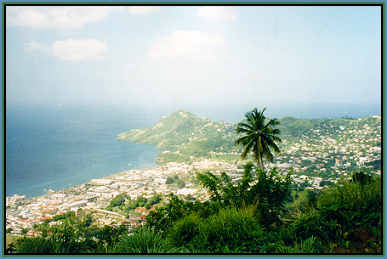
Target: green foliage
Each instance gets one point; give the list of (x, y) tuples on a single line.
[(310, 245), (118, 201), (302, 201), (184, 230), (268, 190), (228, 230), (310, 224), (122, 203), (352, 205), (70, 234), (361, 177), (24, 231), (175, 180), (171, 179), (345, 213), (189, 137), (34, 246), (163, 217), (341, 218), (142, 240), (259, 136), (66, 215)]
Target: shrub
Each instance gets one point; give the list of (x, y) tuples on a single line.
[(310, 245), (73, 234), (34, 245), (361, 177), (341, 213), (184, 230), (165, 216), (352, 204), (267, 189), (230, 230), (118, 201), (142, 240), (310, 224)]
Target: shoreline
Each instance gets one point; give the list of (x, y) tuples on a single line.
[(95, 195), (78, 184)]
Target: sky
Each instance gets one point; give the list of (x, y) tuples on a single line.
[(193, 56)]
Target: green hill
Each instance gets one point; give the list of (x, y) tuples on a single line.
[(183, 137)]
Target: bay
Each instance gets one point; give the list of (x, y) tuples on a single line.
[(59, 148)]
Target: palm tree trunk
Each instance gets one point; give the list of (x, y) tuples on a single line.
[(260, 161)]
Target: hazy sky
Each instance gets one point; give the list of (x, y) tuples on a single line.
[(193, 55)]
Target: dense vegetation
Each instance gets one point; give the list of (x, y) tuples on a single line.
[(262, 213), (122, 203)]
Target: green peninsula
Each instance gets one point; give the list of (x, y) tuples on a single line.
[(183, 137), (316, 147)]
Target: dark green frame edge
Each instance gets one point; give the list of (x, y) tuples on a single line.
[(327, 3)]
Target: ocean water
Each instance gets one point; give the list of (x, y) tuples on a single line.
[(56, 149)]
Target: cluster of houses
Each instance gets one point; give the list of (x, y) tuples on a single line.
[(22, 212)]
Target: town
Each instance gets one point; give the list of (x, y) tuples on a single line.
[(318, 158)]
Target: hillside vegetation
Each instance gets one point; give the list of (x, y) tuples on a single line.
[(320, 147), (260, 214)]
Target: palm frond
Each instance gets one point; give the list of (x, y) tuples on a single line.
[(272, 123), (271, 144), (243, 140), (258, 135), (247, 149), (266, 152)]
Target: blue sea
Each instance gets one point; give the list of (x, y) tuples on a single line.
[(58, 147)]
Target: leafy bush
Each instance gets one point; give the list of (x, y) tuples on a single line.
[(163, 217), (269, 190), (71, 234), (142, 240), (184, 230), (361, 177), (352, 204), (118, 201), (310, 224), (175, 180), (230, 229), (310, 245), (349, 211), (34, 245)]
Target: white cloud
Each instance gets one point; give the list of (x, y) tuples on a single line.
[(70, 50), (61, 17), (217, 13), (189, 44), (143, 10), (77, 50)]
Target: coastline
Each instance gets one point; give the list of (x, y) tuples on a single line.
[(95, 195)]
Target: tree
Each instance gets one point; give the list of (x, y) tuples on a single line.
[(24, 231), (258, 136)]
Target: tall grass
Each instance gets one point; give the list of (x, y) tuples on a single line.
[(352, 204), (143, 240), (229, 230)]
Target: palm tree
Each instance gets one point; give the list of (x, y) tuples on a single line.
[(258, 136)]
